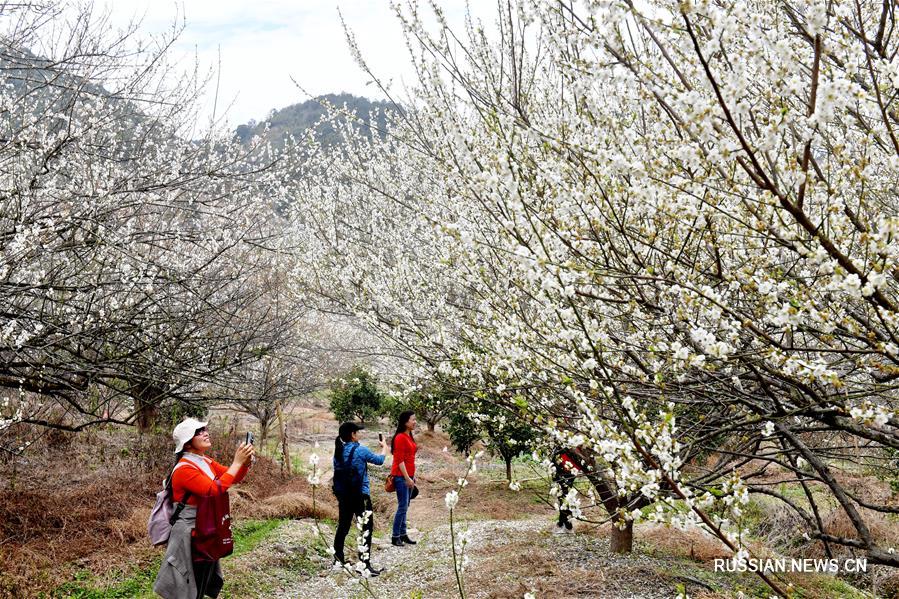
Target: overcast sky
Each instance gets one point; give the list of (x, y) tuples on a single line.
[(265, 42)]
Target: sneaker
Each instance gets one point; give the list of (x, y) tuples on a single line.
[(338, 564), (375, 571), (558, 529), (366, 570)]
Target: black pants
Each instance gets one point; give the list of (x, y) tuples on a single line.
[(565, 481), (350, 508), (203, 573)]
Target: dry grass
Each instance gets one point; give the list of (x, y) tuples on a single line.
[(512, 570), (285, 505), (693, 544), (870, 489), (888, 587), (83, 502), (44, 532), (511, 566), (883, 530), (430, 447)]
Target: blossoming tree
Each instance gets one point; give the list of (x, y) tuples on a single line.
[(666, 231), (127, 234)]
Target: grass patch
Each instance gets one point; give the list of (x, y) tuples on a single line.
[(259, 575), (138, 583), (822, 586), (248, 535)]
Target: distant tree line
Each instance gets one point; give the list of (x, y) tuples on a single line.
[(297, 119)]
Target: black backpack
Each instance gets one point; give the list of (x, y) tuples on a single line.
[(347, 482)]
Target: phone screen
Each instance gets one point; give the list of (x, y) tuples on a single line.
[(380, 436), (250, 439)]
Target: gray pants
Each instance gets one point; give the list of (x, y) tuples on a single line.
[(179, 576)]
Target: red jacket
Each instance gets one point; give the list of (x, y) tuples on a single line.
[(404, 449), (568, 463), (191, 477)]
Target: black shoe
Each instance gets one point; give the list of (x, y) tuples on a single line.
[(405, 539), (398, 541), (372, 571)]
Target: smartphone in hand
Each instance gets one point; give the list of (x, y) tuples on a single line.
[(381, 437), (249, 441)]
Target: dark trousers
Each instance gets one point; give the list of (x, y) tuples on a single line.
[(350, 508), (203, 575), (565, 481)]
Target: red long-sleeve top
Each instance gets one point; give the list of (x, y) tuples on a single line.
[(191, 478), (404, 449)]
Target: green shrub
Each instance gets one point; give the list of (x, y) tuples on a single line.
[(392, 406), (355, 396), (463, 431)]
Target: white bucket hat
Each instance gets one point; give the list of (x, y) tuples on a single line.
[(185, 431)]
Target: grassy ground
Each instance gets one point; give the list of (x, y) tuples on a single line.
[(138, 583)]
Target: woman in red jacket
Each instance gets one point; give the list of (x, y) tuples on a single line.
[(183, 574), (403, 448)]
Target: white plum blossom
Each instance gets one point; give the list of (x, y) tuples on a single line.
[(867, 412)]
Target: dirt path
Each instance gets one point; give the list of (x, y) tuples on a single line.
[(507, 559), (510, 551)]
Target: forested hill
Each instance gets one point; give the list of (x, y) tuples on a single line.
[(297, 118)]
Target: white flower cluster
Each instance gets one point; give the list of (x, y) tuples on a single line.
[(870, 413)]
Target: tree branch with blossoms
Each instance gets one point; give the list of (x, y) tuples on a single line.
[(683, 259)]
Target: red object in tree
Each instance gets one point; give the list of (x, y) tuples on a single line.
[(568, 463)]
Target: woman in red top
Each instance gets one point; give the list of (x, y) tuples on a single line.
[(403, 448), (200, 472), (195, 473)]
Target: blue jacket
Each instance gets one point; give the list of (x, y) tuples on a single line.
[(362, 457)]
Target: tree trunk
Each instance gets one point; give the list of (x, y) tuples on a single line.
[(431, 425), (285, 446), (147, 401), (509, 470), (264, 424), (622, 541)]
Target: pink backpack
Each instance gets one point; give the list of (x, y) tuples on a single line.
[(164, 512)]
